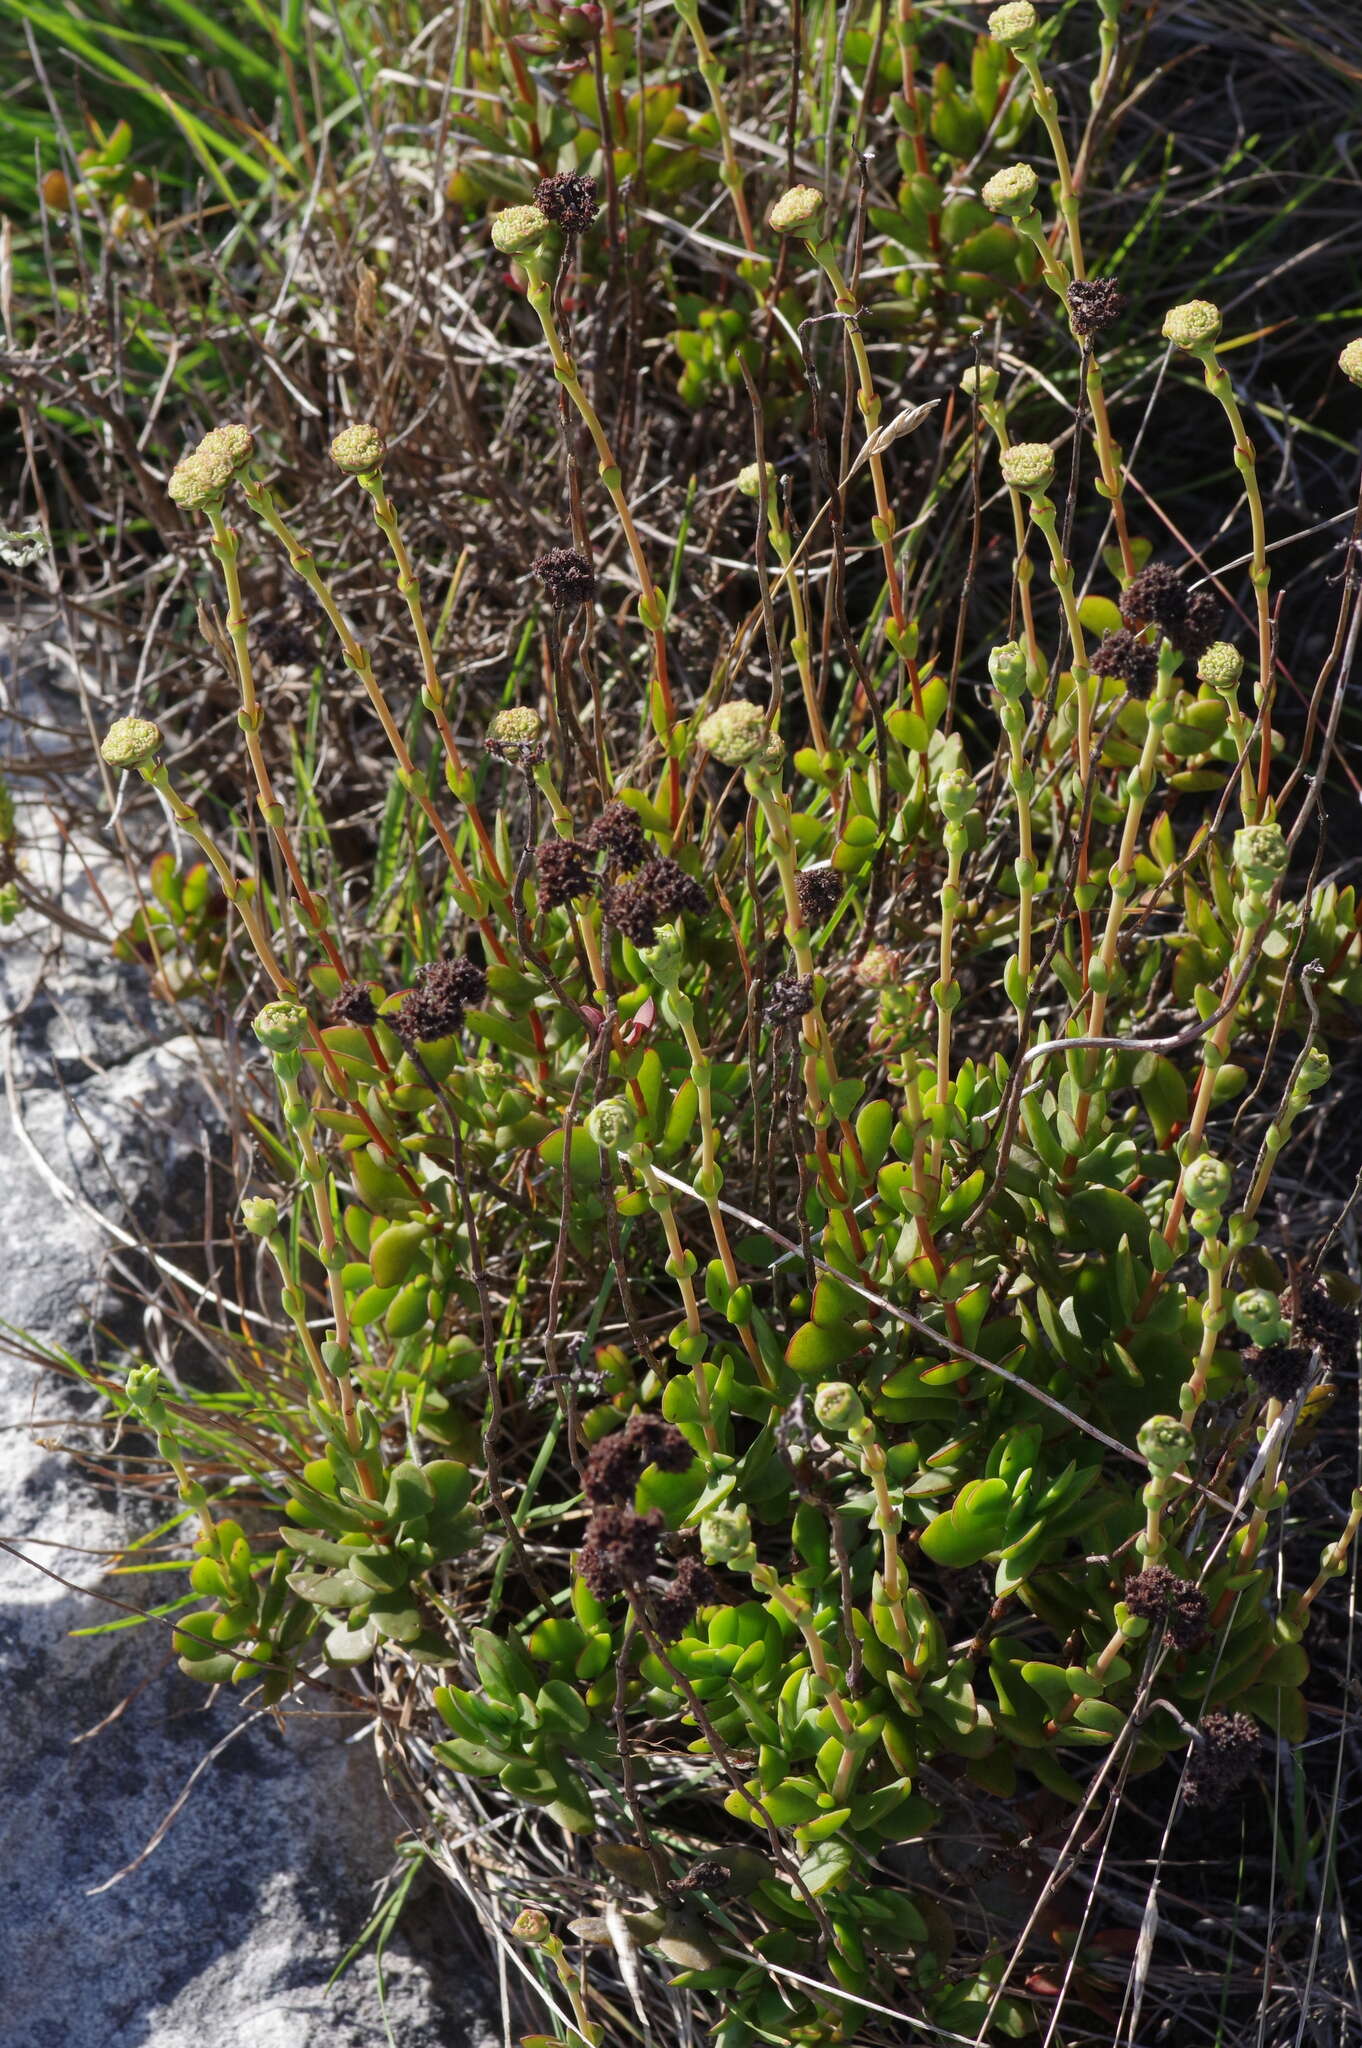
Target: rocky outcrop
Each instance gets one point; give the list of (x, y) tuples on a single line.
[(225, 1934)]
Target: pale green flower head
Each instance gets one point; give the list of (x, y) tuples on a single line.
[(749, 480), (1193, 326), (1350, 360), (260, 1215), (1028, 465), (1007, 667), (1261, 853), (735, 734), (796, 212), (515, 729), (129, 742), (838, 1406), (1014, 25), (1164, 1444), (280, 1027), (611, 1124), (1259, 1315), (955, 794), (204, 476), (1012, 191), (878, 967), (979, 383), (726, 1535), (519, 230), (1207, 1182), (1221, 666), (359, 449)]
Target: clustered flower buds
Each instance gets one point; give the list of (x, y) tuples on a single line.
[(567, 577), (1221, 666), (1012, 191), (565, 871), (1223, 1756), (516, 735), (1157, 596), (519, 230), (1094, 303), (1028, 465), (203, 476), (359, 449), (1260, 854), (1156, 1594), (280, 1027), (796, 212), (979, 381), (1164, 1443), (568, 199), (611, 1124), (129, 742), (260, 1215), (1193, 326), (1350, 361), (1014, 24), (878, 967), (736, 733), (1129, 657)]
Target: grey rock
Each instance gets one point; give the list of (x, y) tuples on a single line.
[(225, 1934)]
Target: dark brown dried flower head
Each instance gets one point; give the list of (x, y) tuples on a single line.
[(569, 200), (1278, 1370), (1159, 597), (693, 1587), (620, 1549), (658, 1442), (565, 870), (1222, 1758), (1156, 1594), (462, 980), (630, 908), (422, 1018), (819, 891), (1201, 627), (1095, 304), (434, 1008), (616, 1463), (672, 889), (1330, 1324), (1130, 657), (788, 999), (705, 1876), (611, 1472), (618, 832), (353, 1005), (568, 578)]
